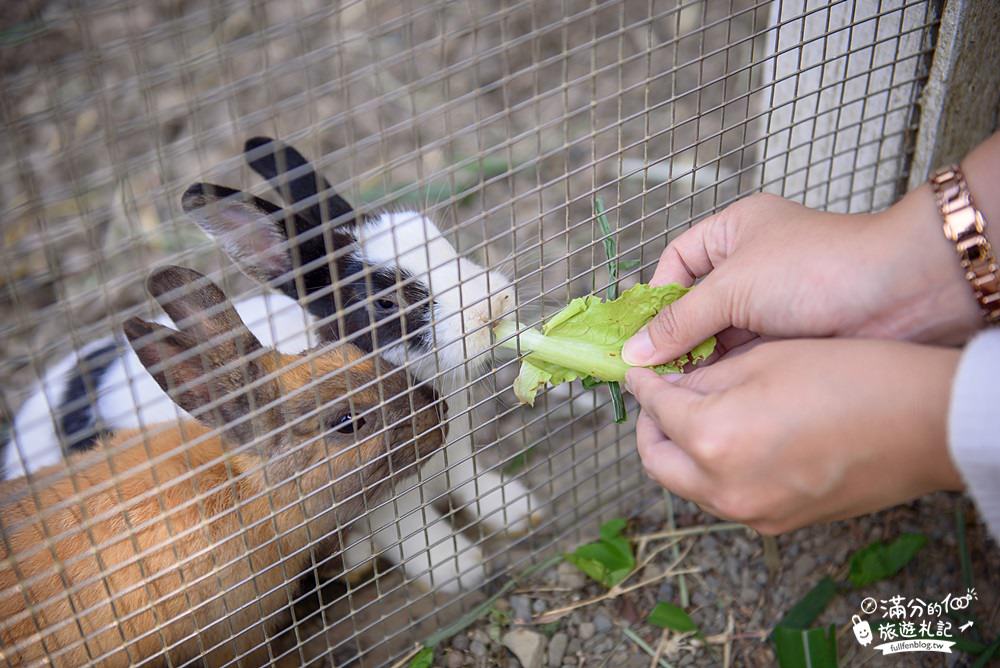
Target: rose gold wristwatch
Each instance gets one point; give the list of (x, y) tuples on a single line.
[(964, 226)]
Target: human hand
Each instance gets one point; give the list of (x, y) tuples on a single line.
[(774, 267), (790, 433)]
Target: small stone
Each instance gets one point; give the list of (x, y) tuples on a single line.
[(477, 648), (482, 637), (603, 647), (587, 631), (602, 623), (574, 647), (570, 577), (539, 606), (571, 660), (455, 659), (557, 649), (619, 658), (804, 566), (521, 605), (460, 642), (528, 646)]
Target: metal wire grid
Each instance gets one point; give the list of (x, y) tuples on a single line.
[(667, 110)]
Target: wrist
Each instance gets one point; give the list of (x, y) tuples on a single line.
[(926, 296)]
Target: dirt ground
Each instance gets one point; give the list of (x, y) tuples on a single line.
[(503, 120)]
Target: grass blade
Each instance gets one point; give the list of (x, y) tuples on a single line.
[(611, 251)]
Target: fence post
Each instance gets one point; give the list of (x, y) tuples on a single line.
[(959, 105)]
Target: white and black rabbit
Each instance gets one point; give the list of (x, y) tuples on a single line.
[(432, 311)]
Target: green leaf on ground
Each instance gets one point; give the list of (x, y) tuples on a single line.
[(669, 616), (517, 463), (460, 184), (609, 559), (806, 648), (810, 606), (987, 654), (423, 659), (879, 560)]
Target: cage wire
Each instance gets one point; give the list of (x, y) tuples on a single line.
[(475, 130)]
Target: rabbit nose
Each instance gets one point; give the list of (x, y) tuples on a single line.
[(500, 305)]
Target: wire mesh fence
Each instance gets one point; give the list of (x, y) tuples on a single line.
[(436, 169)]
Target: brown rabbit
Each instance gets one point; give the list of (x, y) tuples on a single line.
[(182, 543)]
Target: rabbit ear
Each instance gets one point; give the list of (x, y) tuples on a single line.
[(201, 310), (212, 367), (266, 242), (250, 230), (291, 175)]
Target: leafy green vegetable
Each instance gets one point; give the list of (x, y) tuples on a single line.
[(669, 616), (879, 560), (585, 339), (810, 606), (423, 659), (799, 648), (609, 559)]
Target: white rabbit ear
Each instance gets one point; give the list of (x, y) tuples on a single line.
[(250, 230), (294, 179)]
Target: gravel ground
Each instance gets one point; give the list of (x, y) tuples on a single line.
[(110, 113), (737, 595)]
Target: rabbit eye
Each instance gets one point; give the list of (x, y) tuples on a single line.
[(347, 424), (386, 304)]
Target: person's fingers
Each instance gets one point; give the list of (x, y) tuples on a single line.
[(733, 338), (672, 407), (680, 326), (688, 257), (666, 463)]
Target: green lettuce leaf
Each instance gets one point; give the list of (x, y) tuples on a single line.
[(585, 339)]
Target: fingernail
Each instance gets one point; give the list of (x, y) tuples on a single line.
[(639, 349)]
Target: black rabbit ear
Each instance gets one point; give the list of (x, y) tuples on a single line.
[(294, 179), (268, 244)]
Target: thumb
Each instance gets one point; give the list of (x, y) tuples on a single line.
[(671, 405), (680, 326)]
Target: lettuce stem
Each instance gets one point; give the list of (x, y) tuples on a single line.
[(584, 358)]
